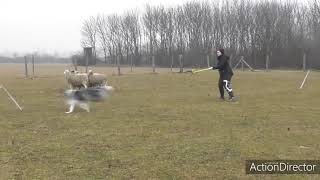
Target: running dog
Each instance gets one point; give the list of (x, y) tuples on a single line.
[(82, 97)]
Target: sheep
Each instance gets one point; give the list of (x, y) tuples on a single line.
[(96, 79), (76, 79)]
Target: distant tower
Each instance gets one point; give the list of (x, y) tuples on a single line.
[(88, 56), (88, 59)]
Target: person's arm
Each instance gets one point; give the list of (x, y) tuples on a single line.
[(220, 64)]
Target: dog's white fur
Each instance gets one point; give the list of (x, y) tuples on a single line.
[(82, 104)]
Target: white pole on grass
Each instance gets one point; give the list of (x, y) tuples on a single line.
[(2, 87), (304, 80)]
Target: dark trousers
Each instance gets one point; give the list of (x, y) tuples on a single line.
[(224, 84)]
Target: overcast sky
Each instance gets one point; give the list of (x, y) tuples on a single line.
[(52, 26), (28, 26)]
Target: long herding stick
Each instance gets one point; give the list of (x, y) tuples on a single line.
[(200, 70), (304, 80), (2, 87)]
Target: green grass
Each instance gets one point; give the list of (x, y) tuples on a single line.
[(157, 126)]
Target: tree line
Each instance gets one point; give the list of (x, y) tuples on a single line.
[(283, 31)]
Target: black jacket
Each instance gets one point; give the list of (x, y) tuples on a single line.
[(223, 66)]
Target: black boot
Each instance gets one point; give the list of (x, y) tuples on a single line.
[(231, 97)]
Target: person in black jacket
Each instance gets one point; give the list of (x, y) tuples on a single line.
[(226, 74)]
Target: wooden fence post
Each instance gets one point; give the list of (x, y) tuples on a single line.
[(118, 64), (180, 63), (32, 66), (304, 62), (25, 66), (153, 64), (267, 62)]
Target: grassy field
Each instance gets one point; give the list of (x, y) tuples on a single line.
[(157, 126)]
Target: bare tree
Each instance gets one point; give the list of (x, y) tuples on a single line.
[(116, 38), (89, 34), (180, 31), (207, 30), (135, 33), (102, 28), (284, 31), (193, 22), (161, 32), (170, 33), (130, 34), (315, 17), (150, 20)]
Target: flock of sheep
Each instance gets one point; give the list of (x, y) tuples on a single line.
[(79, 80)]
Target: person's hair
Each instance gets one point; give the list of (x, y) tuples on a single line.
[(221, 50)]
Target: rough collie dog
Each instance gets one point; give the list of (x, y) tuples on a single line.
[(81, 97)]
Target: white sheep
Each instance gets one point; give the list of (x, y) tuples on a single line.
[(76, 79), (96, 79)]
